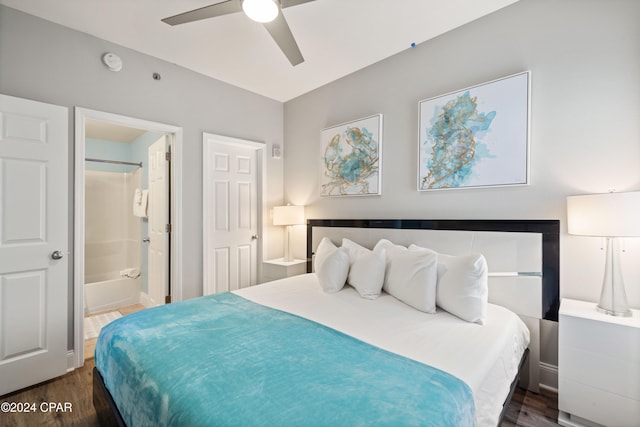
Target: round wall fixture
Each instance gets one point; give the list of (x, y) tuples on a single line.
[(112, 61)]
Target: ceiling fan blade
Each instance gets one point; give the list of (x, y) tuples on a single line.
[(281, 33), (289, 3), (218, 9)]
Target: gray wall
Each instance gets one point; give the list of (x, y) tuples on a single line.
[(46, 62), (584, 57)]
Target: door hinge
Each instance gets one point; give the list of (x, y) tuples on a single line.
[(167, 156), (167, 228)]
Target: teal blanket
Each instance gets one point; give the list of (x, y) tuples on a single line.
[(222, 360)]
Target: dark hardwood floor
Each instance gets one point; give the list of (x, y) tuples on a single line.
[(526, 409), (75, 388)]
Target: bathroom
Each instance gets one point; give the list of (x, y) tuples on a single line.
[(116, 222)]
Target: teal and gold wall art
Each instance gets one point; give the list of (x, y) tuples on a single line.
[(351, 156), (476, 137)]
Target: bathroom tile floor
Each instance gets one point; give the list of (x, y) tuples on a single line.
[(90, 345)]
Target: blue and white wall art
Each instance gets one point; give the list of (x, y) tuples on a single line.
[(351, 155), (476, 137)]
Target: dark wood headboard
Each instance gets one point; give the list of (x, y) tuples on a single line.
[(548, 229)]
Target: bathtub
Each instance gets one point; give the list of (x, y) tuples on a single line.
[(109, 291)]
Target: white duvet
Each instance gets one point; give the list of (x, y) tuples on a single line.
[(486, 357)]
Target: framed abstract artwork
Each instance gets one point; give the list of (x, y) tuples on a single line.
[(476, 137), (351, 156)]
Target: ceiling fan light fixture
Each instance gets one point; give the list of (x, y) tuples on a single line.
[(261, 10)]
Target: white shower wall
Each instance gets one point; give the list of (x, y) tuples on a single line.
[(112, 233)]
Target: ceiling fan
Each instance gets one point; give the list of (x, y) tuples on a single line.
[(267, 12)]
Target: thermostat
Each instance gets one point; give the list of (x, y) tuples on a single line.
[(275, 151), (112, 61)]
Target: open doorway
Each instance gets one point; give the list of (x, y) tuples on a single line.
[(127, 219)]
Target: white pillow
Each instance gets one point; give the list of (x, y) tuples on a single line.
[(411, 277), (391, 250), (331, 266), (462, 286), (389, 246), (366, 271)]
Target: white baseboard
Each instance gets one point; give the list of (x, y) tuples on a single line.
[(549, 377), (146, 300), (71, 360)]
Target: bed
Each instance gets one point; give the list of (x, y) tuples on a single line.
[(290, 353)]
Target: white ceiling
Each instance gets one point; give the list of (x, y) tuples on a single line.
[(105, 131), (336, 37)]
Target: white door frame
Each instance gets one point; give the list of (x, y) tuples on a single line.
[(175, 138), (261, 195)]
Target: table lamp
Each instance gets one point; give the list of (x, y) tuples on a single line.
[(611, 216), (288, 215)]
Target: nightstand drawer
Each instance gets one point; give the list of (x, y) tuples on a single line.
[(613, 375), (616, 341), (597, 405)]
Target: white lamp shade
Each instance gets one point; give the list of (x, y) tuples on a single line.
[(604, 215), (260, 10), (288, 215)]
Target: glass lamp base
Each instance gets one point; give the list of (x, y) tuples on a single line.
[(626, 313), (613, 298)]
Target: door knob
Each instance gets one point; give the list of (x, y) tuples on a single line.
[(254, 237), (57, 255), (146, 239)]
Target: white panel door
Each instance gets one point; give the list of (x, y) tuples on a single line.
[(158, 213), (230, 215), (34, 283)]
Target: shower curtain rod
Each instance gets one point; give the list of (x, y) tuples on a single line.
[(117, 162)]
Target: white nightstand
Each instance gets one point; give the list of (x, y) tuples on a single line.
[(278, 268), (598, 366)]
